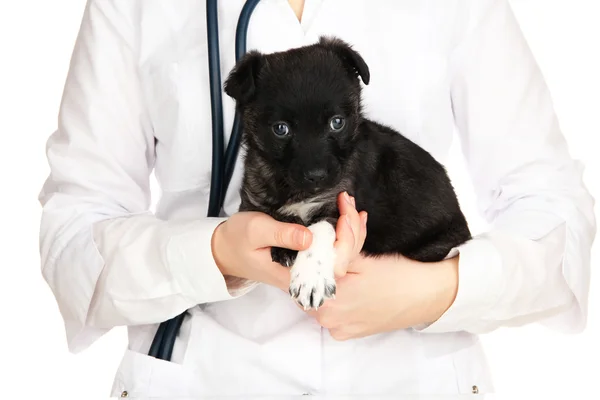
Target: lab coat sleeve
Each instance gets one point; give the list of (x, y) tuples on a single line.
[(533, 264), (107, 259)]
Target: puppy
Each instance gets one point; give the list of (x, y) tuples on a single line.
[(307, 140)]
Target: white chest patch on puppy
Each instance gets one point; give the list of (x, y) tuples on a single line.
[(312, 275), (302, 209)]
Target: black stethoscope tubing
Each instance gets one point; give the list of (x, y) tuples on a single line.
[(223, 161)]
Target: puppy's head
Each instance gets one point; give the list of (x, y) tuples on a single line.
[(300, 110)]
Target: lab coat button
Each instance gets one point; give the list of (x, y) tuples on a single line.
[(124, 394), (475, 389)]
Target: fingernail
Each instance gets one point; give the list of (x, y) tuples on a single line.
[(353, 202), (365, 220), (300, 237), (347, 197)]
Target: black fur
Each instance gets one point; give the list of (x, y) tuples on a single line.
[(411, 204)]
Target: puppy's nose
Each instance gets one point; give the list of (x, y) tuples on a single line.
[(315, 175)]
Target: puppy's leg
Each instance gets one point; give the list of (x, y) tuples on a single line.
[(312, 278), (283, 256)]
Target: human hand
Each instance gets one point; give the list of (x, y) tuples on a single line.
[(241, 247), (351, 232), (387, 294)]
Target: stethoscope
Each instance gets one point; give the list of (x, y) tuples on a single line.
[(223, 161)]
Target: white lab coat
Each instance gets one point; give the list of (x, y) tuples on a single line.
[(136, 100)]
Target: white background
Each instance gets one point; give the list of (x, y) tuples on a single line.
[(36, 39)]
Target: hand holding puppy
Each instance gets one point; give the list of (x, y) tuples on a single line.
[(241, 247), (387, 294), (382, 294)]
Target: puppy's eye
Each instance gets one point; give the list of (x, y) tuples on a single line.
[(281, 129), (337, 123)]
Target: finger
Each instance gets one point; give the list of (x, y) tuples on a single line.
[(345, 232), (341, 334), (363, 229), (347, 207), (344, 246), (265, 231), (345, 203), (355, 223)]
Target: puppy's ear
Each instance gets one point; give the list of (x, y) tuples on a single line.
[(242, 80), (349, 56)]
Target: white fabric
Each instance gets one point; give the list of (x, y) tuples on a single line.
[(136, 100)]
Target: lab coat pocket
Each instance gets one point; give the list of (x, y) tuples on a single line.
[(142, 377)]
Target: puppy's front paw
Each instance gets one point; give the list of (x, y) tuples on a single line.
[(285, 257), (312, 280)]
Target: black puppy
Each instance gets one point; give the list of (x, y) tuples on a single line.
[(307, 140)]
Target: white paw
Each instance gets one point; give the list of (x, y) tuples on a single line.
[(310, 284), (312, 277)]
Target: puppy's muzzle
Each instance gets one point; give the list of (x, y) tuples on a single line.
[(315, 176)]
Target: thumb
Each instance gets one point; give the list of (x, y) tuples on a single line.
[(272, 233)]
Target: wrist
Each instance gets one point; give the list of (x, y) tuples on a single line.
[(216, 246), (444, 284)]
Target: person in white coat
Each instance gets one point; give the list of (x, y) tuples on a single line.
[(136, 101)]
